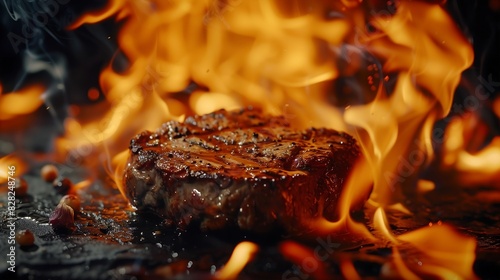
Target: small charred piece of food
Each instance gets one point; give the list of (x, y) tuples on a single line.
[(238, 168)]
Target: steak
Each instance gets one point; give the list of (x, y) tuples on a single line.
[(240, 169)]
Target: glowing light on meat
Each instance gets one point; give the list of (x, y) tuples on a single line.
[(243, 253)]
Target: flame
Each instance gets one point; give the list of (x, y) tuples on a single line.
[(233, 71), (304, 257), (425, 186), (381, 224), (437, 243), (348, 270), (112, 7), (243, 253), (218, 45), (443, 257), (12, 166), (116, 172), (107, 135), (82, 185), (479, 168), (496, 107), (286, 58), (21, 102), (397, 268), (422, 56), (356, 190)]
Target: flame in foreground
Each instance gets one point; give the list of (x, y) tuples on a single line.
[(242, 254), (304, 257), (288, 57), (441, 256)]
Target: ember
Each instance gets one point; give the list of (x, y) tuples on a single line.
[(396, 75)]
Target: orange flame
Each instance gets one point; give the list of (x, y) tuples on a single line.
[(348, 270), (108, 135), (76, 188), (118, 165), (355, 192), (305, 258), (397, 268), (112, 7), (243, 63), (11, 166), (496, 107), (481, 168), (243, 253), (21, 102), (443, 257), (267, 54), (415, 46), (438, 244)]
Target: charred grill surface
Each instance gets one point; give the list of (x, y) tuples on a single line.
[(238, 168)]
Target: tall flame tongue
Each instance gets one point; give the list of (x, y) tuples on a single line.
[(422, 45), (285, 56)]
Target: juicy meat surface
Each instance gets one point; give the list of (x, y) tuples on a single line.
[(238, 168)]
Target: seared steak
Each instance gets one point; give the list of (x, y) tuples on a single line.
[(238, 168)]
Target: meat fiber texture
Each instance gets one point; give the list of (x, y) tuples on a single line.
[(239, 168)]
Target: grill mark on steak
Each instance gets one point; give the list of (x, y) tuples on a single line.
[(238, 168)]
